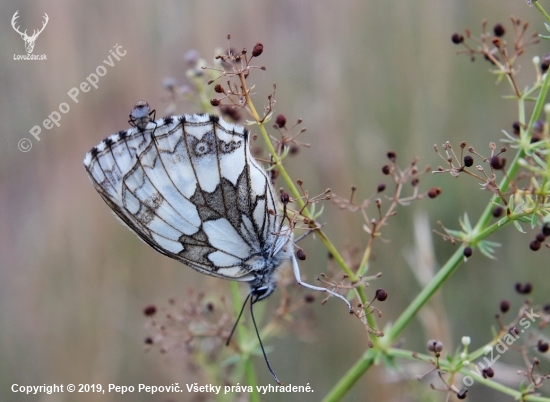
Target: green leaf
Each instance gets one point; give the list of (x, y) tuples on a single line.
[(518, 227)]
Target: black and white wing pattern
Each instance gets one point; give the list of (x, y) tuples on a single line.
[(188, 186)]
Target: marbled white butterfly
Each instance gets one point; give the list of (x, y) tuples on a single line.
[(188, 186)]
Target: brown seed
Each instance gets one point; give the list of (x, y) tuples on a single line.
[(258, 50)]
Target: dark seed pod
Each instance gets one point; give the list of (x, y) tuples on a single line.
[(300, 254), (258, 50), (381, 294), (150, 310), (504, 306), (499, 30), (457, 38)]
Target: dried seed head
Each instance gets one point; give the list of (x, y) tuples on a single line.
[(468, 160), (300, 254), (391, 156), (386, 169), (381, 187), (215, 102), (219, 89)]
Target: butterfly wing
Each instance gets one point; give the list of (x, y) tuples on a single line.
[(188, 186)]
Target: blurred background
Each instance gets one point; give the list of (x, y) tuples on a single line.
[(365, 77)]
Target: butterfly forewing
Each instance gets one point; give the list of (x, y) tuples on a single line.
[(188, 186)]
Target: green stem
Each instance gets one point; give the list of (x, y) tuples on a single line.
[(542, 11)]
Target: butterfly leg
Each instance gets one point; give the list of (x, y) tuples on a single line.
[(296, 268)]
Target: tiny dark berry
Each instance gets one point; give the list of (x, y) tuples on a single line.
[(468, 160), (232, 112), (381, 187), (504, 306), (497, 163), (540, 237), (497, 211), (516, 127), (215, 102), (468, 251), (542, 346), (546, 229), (434, 192), (524, 289), (457, 38), (300, 254), (258, 50), (414, 181), (150, 310), (499, 30), (285, 197), (535, 245), (431, 345), (309, 298), (545, 63), (381, 294), (391, 156), (280, 120), (386, 169), (148, 340), (488, 372), (218, 88)]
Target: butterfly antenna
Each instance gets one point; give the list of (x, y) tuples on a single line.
[(260, 340), (236, 322)]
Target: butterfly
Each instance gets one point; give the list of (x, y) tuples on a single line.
[(189, 187)]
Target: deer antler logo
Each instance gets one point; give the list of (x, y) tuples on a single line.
[(29, 40)]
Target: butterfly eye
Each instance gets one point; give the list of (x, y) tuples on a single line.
[(261, 291)]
